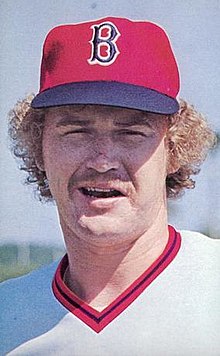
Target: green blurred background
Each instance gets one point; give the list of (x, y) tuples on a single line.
[(16, 260)]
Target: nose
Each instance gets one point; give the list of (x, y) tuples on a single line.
[(103, 156)]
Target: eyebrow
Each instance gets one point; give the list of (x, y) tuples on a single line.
[(134, 121), (69, 120)]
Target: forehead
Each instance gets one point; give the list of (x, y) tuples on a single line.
[(99, 112)]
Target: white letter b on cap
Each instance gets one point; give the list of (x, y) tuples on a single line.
[(108, 42)]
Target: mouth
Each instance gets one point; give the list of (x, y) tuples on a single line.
[(100, 193)]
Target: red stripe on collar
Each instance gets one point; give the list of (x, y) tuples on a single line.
[(98, 320)]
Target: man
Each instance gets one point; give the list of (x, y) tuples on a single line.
[(107, 139)]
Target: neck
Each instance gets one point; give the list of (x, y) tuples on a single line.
[(99, 275)]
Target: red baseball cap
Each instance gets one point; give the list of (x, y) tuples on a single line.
[(110, 61)]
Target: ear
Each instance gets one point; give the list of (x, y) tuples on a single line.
[(173, 164), (40, 164)]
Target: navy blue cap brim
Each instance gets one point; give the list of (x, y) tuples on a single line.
[(107, 93)]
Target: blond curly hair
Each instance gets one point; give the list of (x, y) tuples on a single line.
[(189, 140)]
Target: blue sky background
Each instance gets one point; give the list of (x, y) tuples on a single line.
[(193, 27)]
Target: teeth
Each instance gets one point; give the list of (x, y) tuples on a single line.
[(100, 193), (99, 190)]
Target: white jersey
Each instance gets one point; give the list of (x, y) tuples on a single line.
[(171, 309)]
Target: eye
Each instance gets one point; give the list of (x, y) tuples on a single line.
[(74, 131), (134, 133)]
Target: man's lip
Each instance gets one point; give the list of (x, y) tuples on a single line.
[(101, 202)]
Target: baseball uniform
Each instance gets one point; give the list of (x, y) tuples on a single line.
[(171, 309)]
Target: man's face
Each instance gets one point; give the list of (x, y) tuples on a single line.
[(106, 168)]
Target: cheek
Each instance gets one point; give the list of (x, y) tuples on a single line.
[(151, 154), (61, 154), (60, 162), (151, 174)]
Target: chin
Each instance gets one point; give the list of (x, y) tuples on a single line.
[(102, 228)]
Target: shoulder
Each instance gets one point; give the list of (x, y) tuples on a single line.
[(28, 301), (199, 258), (198, 244), (198, 236)]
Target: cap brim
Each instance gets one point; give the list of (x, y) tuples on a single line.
[(107, 93)]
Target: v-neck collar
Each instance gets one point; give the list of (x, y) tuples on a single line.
[(98, 320)]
